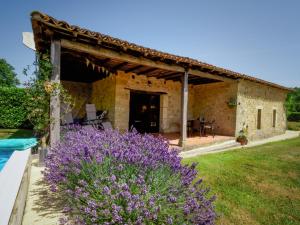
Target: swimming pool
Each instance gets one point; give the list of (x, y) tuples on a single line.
[(8, 146), (4, 156)]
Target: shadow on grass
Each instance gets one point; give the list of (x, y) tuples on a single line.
[(21, 134), (15, 133)]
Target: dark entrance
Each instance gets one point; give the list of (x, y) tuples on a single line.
[(144, 112)]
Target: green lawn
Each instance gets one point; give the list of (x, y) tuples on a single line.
[(15, 133), (293, 125), (259, 185)]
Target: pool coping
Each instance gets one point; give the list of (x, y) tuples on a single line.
[(14, 179)]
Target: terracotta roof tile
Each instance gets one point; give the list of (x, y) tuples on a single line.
[(147, 52)]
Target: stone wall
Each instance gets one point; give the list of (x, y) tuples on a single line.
[(210, 102), (170, 99), (81, 93), (103, 96), (253, 96)]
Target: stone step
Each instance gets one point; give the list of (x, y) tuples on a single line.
[(216, 147)]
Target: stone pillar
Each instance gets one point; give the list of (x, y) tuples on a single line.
[(54, 100), (184, 108), (163, 114)]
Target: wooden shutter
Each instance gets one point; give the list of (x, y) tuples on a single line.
[(274, 117), (259, 119)]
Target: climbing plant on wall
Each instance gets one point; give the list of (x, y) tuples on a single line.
[(39, 90)]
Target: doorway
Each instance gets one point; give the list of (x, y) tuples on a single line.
[(144, 112)]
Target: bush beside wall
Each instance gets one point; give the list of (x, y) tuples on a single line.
[(13, 112), (294, 116)]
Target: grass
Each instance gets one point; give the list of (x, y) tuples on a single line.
[(293, 125), (15, 133), (259, 185)]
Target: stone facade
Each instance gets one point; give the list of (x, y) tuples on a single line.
[(206, 100), (81, 93), (170, 99), (253, 96), (211, 102), (103, 96)]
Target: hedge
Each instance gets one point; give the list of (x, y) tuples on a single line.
[(13, 112), (294, 116)]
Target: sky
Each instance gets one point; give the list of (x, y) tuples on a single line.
[(260, 38)]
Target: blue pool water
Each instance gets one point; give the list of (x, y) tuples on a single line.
[(4, 156), (8, 146)]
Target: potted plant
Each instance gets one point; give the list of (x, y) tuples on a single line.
[(232, 103), (242, 137)]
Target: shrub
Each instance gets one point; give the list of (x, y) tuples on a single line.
[(111, 178), (13, 111), (294, 116)]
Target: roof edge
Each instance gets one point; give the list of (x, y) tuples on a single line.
[(59, 24)]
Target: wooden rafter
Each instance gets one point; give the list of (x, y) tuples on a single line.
[(147, 71), (172, 76), (119, 66), (169, 73), (133, 68)]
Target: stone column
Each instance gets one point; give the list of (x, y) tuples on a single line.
[(54, 100), (184, 108)]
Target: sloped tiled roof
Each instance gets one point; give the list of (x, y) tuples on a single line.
[(53, 23)]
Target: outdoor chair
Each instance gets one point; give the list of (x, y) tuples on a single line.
[(106, 125), (91, 115), (210, 126), (67, 122), (67, 119), (196, 126)]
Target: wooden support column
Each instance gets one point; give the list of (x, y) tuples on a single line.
[(54, 100), (184, 108)]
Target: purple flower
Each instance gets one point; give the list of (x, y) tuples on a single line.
[(108, 177)]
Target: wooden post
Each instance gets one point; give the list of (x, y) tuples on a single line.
[(184, 106), (54, 100)]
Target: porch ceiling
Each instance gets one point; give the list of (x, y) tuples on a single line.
[(74, 68)]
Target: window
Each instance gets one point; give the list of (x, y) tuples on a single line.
[(274, 117), (258, 119)]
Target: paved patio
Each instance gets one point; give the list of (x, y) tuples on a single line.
[(231, 145), (195, 141), (42, 206)]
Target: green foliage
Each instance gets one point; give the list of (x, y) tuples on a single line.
[(39, 104), (294, 116), (293, 103), (15, 133), (39, 92), (13, 107), (8, 77)]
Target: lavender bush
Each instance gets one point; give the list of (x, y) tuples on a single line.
[(106, 177)]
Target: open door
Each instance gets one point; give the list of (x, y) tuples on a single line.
[(144, 112)]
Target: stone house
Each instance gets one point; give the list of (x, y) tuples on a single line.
[(156, 91)]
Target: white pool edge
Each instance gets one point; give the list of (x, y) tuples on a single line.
[(14, 179)]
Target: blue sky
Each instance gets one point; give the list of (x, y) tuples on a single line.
[(260, 37)]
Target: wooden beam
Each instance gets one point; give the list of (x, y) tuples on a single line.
[(147, 71), (208, 75), (103, 52), (54, 99), (166, 75), (170, 77), (119, 66), (134, 68), (184, 108), (103, 61)]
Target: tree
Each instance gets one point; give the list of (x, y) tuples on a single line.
[(8, 77), (293, 101)]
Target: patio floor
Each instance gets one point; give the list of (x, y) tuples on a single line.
[(195, 141)]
